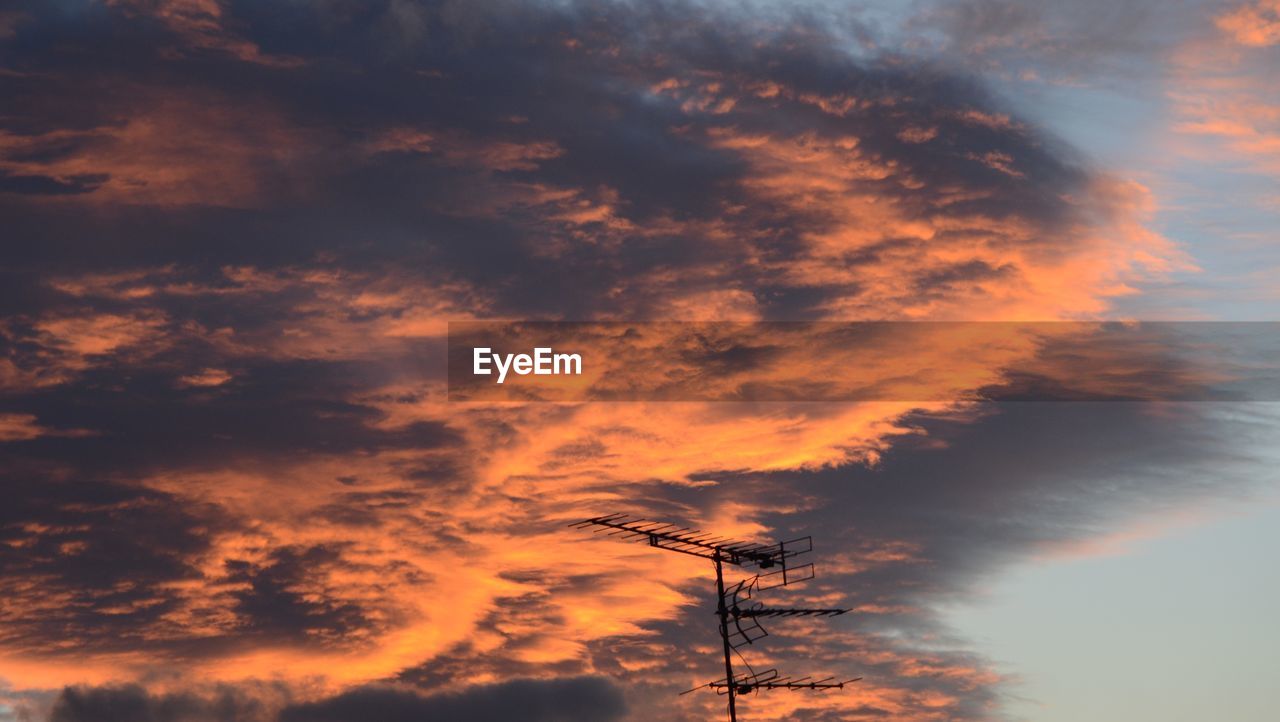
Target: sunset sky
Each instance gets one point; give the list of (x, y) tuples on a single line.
[(234, 485)]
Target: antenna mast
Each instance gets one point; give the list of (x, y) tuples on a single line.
[(739, 617)]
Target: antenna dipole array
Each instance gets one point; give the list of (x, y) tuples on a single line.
[(738, 614), (769, 679)]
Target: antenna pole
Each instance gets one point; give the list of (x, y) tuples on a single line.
[(739, 615), (723, 612)]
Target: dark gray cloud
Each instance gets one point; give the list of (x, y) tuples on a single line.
[(146, 419), (99, 566), (46, 185), (568, 699), (132, 703), (89, 561), (573, 699), (271, 600), (1025, 479)]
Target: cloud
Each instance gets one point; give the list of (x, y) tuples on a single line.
[(134, 704), (802, 174), (154, 148), (24, 427), (249, 299), (1254, 24), (590, 699), (199, 25), (51, 185), (576, 699), (1042, 42)]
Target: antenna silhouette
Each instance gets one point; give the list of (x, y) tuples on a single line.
[(739, 616)]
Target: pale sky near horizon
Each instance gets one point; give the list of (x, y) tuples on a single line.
[(1180, 625)]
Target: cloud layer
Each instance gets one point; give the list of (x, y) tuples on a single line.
[(237, 232)]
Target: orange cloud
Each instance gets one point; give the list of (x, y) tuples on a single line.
[(1224, 99), (25, 427), (205, 378), (64, 345), (998, 268), (1254, 24), (165, 151)]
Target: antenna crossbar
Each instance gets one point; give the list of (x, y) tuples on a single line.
[(785, 612), (748, 687), (769, 679), (697, 543)]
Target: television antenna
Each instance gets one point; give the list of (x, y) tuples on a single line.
[(738, 613)]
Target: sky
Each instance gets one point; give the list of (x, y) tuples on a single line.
[(235, 235)]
